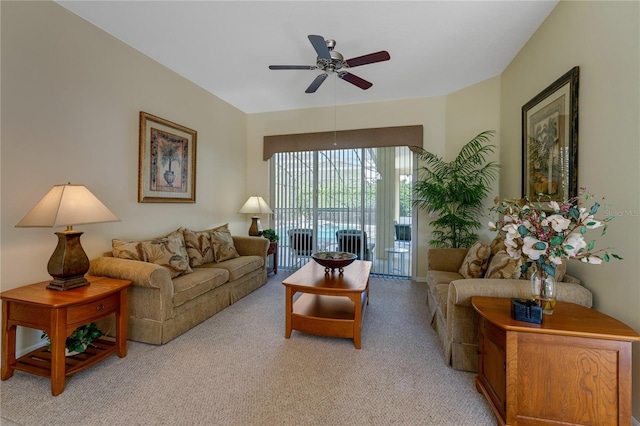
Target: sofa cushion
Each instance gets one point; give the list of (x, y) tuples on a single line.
[(238, 267), (476, 261), (131, 250), (503, 266), (223, 247), (188, 287), (198, 244), (168, 252)]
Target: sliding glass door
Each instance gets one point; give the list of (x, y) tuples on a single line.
[(356, 200)]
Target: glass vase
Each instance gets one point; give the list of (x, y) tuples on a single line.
[(543, 290)]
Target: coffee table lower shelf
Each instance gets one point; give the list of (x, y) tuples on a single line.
[(332, 316)]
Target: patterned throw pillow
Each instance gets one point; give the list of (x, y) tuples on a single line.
[(223, 247), (168, 252), (497, 244), (128, 250), (476, 262), (198, 244), (503, 266)]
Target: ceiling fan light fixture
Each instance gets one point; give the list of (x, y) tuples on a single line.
[(330, 61)]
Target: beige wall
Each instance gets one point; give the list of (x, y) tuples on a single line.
[(448, 121), (71, 95), (603, 39)]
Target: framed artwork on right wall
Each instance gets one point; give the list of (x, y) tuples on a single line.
[(550, 141)]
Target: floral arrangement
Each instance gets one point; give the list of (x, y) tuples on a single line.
[(546, 232)]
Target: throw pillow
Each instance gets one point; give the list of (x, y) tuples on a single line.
[(497, 244), (476, 261), (223, 247), (503, 266), (198, 244), (168, 252), (128, 250)]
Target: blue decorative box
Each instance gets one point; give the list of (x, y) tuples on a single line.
[(526, 310)]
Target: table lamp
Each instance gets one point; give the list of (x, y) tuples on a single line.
[(255, 206), (67, 205)]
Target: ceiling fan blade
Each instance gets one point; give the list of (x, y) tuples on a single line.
[(371, 58), (316, 83), (355, 80), (320, 46), (292, 67)]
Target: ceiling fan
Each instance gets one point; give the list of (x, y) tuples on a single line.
[(329, 61)]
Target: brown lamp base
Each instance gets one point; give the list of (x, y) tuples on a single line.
[(255, 230), (62, 284), (69, 263)]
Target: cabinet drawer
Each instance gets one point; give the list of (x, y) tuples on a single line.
[(93, 310)]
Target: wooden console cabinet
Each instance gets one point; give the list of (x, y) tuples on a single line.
[(574, 368)]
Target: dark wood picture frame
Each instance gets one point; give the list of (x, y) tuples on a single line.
[(550, 141), (164, 144)]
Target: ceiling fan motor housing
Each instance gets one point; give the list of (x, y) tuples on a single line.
[(336, 62)]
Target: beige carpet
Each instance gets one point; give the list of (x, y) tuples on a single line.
[(238, 369)]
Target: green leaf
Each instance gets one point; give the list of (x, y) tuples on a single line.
[(591, 245), (549, 269), (583, 230), (540, 246), (522, 230), (616, 256), (574, 213), (594, 209), (556, 240), (606, 257)]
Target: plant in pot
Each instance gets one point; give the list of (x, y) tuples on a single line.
[(271, 235), (454, 191), (79, 340)]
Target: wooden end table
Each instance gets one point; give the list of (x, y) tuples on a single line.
[(59, 313), (273, 252), (331, 304), (574, 368)]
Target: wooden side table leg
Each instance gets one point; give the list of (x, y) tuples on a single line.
[(357, 320), (288, 310), (58, 336), (121, 325), (8, 343)]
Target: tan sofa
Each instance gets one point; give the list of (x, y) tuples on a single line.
[(449, 303), (161, 308)]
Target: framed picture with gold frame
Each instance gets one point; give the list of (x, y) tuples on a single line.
[(167, 161), (550, 141)]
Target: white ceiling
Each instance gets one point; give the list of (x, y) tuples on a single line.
[(436, 47)]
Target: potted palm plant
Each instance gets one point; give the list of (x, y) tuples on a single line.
[(454, 191)]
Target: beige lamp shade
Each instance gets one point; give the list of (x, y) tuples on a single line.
[(67, 205), (255, 206)]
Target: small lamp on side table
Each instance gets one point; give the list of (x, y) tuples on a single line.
[(67, 205), (255, 206)]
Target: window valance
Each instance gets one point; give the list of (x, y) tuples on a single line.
[(410, 136)]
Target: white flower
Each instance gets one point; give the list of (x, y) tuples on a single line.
[(574, 243), (492, 226), (555, 259), (594, 260), (554, 205), (512, 249), (592, 223), (558, 222), (511, 231), (529, 249)]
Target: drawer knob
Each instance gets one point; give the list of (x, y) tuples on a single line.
[(100, 307)]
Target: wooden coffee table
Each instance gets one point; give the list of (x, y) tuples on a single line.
[(331, 304)]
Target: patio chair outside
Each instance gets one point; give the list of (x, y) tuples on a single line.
[(349, 240), (301, 242)]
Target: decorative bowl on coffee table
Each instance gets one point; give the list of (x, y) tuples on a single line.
[(332, 260)]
